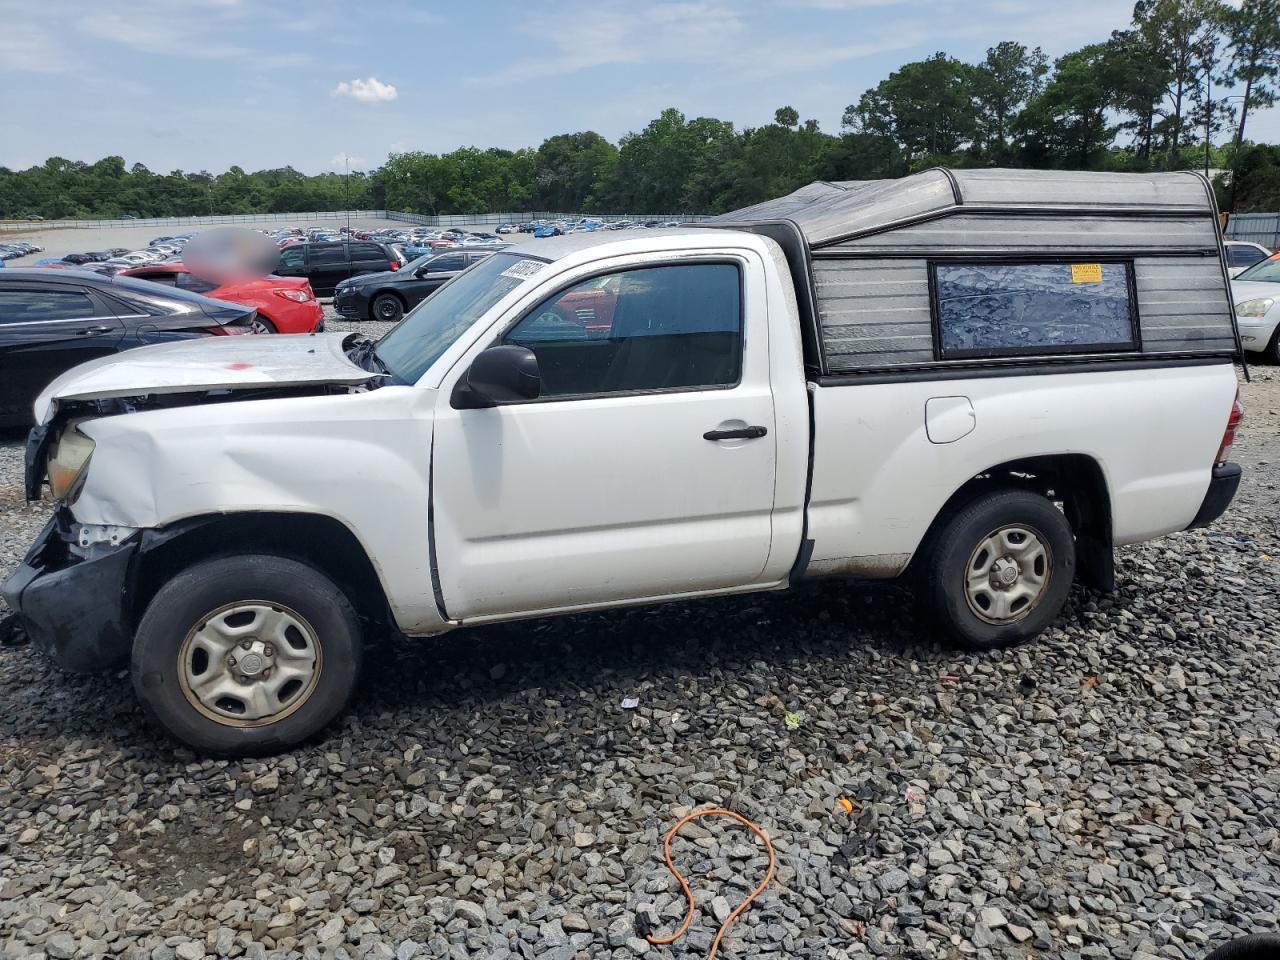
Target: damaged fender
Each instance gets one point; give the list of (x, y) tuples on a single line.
[(343, 456)]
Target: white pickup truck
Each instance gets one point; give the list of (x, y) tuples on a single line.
[(985, 378)]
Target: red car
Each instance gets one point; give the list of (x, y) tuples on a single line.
[(590, 304), (284, 304)]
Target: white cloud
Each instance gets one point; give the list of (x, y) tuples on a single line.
[(371, 90)]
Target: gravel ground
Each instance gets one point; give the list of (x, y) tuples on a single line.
[(1109, 790)]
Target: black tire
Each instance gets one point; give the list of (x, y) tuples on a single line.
[(191, 599), (386, 308), (959, 544)]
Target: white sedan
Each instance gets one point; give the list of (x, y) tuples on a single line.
[(1256, 292)]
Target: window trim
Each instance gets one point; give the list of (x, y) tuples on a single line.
[(942, 355), (712, 259)]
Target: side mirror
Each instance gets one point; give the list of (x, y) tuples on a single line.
[(498, 375)]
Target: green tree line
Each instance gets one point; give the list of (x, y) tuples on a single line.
[(1174, 90)]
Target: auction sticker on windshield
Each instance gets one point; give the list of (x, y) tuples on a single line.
[(522, 269)]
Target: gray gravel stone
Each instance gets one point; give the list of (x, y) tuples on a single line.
[(1106, 790)]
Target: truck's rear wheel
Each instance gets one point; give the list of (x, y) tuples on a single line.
[(243, 656), (1001, 569)]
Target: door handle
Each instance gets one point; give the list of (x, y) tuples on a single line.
[(741, 433), (87, 331)]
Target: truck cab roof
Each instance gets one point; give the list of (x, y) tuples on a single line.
[(557, 248)]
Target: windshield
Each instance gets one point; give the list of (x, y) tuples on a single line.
[(1267, 270), (430, 328)]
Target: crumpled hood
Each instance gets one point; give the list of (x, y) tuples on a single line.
[(211, 363)]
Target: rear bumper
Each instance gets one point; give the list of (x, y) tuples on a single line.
[(300, 318), (1222, 488), (73, 607)]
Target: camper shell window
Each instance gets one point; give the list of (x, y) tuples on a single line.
[(992, 309)]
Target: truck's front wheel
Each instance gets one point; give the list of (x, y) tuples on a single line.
[(243, 656), (1001, 569)]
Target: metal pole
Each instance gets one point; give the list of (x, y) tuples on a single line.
[(1208, 114), (346, 192)]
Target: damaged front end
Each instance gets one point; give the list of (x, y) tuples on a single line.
[(74, 592), (70, 592)]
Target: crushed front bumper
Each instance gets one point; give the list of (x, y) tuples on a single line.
[(73, 606)]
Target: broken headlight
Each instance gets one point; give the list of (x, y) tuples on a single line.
[(68, 462)]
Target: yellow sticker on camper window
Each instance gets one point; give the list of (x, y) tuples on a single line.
[(1086, 273)]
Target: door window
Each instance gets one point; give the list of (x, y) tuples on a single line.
[(447, 263), (293, 257), (34, 306), (328, 254), (653, 328), (1243, 255)]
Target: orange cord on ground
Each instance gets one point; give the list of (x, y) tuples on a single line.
[(684, 884)]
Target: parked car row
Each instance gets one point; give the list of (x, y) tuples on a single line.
[(17, 250), (561, 227), (164, 249)]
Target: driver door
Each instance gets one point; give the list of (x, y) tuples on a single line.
[(606, 488)]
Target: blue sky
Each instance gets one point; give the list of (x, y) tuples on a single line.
[(203, 84)]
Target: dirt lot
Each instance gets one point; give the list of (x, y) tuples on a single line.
[(1108, 791)]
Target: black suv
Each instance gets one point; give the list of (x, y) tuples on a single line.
[(327, 263), (386, 296)]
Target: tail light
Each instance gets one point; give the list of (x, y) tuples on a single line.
[(297, 296), (1229, 435), (241, 324), (392, 265)]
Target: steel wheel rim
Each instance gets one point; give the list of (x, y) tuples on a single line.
[(386, 310), (249, 663), (1008, 574)]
